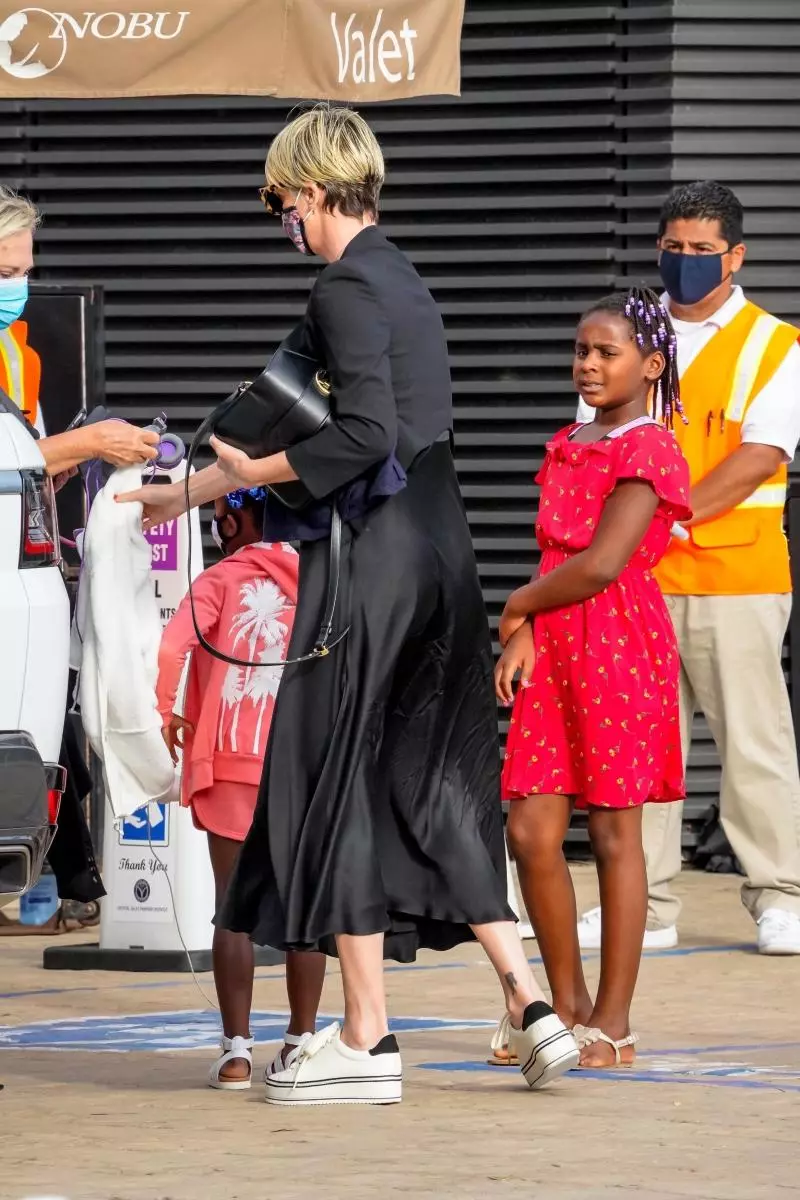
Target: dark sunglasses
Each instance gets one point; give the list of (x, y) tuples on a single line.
[(271, 200)]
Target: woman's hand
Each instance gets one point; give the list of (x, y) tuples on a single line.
[(241, 471), (160, 502), (175, 735), (518, 655), (122, 444)]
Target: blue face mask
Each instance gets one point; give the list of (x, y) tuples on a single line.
[(13, 298), (689, 278)]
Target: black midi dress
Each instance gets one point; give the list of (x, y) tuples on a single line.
[(379, 807)]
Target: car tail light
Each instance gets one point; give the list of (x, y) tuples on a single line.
[(56, 783), (53, 805), (40, 544)]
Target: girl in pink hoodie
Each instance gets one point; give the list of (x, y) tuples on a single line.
[(245, 607)]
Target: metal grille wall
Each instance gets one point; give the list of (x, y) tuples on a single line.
[(519, 202), (711, 91)]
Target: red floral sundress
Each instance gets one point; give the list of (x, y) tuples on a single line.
[(599, 721)]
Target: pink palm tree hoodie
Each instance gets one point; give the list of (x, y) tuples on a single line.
[(245, 606)]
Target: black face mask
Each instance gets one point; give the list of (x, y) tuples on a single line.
[(221, 539), (689, 278)]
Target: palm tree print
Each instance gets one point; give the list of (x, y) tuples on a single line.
[(232, 695), (263, 686), (261, 604)]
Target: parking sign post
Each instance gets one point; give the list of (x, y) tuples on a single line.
[(156, 866)]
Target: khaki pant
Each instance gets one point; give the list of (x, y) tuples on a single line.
[(730, 648)]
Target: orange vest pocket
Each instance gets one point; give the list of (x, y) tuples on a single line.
[(737, 528)]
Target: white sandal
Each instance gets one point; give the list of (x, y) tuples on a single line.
[(235, 1047), (279, 1063), (589, 1037)]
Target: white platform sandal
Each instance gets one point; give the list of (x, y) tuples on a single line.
[(296, 1041), (585, 1036), (235, 1047)]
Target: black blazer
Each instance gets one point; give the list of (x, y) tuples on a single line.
[(375, 325)]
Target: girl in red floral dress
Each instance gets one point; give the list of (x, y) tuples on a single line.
[(595, 721)]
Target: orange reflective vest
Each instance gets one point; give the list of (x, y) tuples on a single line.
[(20, 369), (744, 551)]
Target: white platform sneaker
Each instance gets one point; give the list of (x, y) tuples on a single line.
[(326, 1071), (778, 932), (543, 1047), (589, 927)]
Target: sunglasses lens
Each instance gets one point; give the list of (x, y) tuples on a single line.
[(271, 201)]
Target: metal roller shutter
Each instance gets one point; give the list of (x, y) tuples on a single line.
[(712, 93), (520, 202)]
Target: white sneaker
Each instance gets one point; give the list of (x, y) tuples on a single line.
[(778, 932), (327, 1071), (654, 939), (544, 1047), (665, 938)]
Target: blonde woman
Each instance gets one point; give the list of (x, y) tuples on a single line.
[(116, 442), (378, 827)]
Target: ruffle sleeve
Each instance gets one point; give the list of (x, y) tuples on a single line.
[(652, 454)]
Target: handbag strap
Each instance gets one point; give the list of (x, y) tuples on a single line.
[(323, 645), (334, 575)]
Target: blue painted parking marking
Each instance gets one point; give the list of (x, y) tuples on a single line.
[(193, 1030), (631, 1075)]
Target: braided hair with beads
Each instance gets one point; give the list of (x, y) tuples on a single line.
[(652, 329)]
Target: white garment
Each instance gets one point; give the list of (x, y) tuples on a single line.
[(773, 419), (115, 640)]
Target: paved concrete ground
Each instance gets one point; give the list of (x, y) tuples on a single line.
[(712, 1109)]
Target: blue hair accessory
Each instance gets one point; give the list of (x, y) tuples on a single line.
[(236, 499)]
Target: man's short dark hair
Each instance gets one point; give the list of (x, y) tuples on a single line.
[(706, 200)]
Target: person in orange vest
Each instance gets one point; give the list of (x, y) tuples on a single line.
[(726, 575), (116, 442), (21, 373)]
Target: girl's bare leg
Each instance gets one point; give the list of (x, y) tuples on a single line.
[(232, 958), (616, 837), (537, 827)]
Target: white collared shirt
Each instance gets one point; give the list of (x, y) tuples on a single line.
[(773, 419)]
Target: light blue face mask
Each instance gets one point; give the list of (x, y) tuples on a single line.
[(13, 298)]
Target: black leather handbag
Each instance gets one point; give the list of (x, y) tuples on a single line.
[(287, 403)]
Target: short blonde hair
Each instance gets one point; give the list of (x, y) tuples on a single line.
[(335, 148), (17, 213)]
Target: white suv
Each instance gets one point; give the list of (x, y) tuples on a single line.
[(34, 653)]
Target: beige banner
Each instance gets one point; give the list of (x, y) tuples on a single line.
[(350, 50)]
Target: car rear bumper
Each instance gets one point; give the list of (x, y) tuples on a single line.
[(29, 794)]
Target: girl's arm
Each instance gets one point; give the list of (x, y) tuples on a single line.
[(624, 522), (180, 638)]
